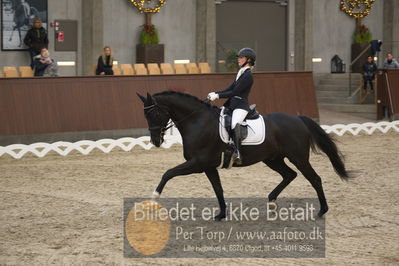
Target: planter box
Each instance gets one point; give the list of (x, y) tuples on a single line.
[(150, 53), (357, 48)]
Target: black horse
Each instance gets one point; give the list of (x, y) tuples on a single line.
[(287, 136)]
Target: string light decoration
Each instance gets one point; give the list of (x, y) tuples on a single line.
[(144, 6), (357, 8)]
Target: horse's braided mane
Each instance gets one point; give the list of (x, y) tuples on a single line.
[(189, 96)]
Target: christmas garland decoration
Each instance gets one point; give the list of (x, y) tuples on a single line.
[(357, 8), (139, 4)]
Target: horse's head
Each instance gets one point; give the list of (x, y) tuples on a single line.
[(157, 118)]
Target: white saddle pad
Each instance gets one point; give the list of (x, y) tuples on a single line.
[(256, 130)]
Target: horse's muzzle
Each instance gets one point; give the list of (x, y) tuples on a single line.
[(157, 142)]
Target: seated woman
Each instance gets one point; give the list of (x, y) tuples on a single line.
[(43, 65), (105, 61)]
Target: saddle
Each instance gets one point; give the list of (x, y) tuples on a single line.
[(252, 115)]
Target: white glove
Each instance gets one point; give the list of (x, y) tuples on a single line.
[(213, 96)]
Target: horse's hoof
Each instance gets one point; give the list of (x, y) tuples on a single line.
[(272, 204), (321, 213), (219, 217), (155, 195)]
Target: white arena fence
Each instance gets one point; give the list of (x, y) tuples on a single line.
[(172, 137)]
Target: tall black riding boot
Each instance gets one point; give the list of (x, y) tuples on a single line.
[(237, 143)]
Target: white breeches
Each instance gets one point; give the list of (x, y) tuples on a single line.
[(238, 117)]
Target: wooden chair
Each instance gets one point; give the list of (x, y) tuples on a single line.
[(126, 66), (10, 72), (192, 68), (137, 66), (117, 71), (140, 69), (166, 68), (204, 67), (180, 69), (191, 65), (127, 69), (26, 71), (153, 69)]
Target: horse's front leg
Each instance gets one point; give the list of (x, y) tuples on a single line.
[(20, 37), (187, 168), (213, 176)]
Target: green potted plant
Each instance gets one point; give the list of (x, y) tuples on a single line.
[(362, 35), (361, 40), (231, 60), (149, 50), (149, 35)]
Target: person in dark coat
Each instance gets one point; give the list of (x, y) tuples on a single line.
[(237, 95), (36, 39), (105, 62), (369, 70)]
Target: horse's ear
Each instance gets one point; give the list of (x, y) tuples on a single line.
[(150, 99), (142, 98)]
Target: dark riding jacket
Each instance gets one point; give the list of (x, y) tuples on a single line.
[(36, 39), (369, 69), (238, 92)]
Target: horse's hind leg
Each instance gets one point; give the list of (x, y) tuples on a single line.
[(314, 179), (287, 173)]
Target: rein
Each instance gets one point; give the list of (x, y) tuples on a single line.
[(171, 123)]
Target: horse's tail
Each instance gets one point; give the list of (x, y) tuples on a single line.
[(326, 143)]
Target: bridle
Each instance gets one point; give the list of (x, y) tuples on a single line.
[(155, 107)]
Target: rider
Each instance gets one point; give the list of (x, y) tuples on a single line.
[(237, 95)]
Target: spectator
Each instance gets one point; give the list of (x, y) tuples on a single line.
[(36, 39), (390, 62), (369, 70), (44, 65), (105, 62)]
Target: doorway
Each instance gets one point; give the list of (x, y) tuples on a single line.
[(259, 24)]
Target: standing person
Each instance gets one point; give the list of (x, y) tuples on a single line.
[(369, 70), (237, 95), (105, 62), (44, 65), (390, 62), (36, 39)]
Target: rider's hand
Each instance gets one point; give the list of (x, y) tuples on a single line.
[(213, 96)]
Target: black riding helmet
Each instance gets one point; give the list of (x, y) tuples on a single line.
[(249, 54)]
